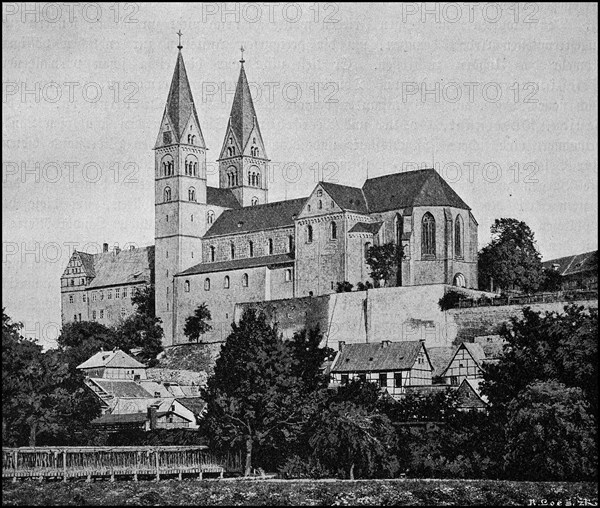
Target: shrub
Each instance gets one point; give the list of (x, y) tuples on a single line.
[(449, 300), (296, 467), (344, 287)]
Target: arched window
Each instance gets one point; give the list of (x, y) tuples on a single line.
[(212, 253), (226, 282), (207, 284), (308, 208), (189, 138), (288, 275), (309, 233), (167, 194), (191, 194), (333, 230), (428, 235), (251, 249), (167, 165), (290, 243), (254, 201), (232, 248), (367, 247), (459, 280), (210, 217), (195, 169), (399, 226), (190, 163), (229, 151), (458, 237), (320, 204), (270, 246), (245, 280), (186, 286)]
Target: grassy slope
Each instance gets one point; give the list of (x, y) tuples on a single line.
[(253, 493)]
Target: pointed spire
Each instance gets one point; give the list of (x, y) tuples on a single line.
[(180, 103), (243, 116)]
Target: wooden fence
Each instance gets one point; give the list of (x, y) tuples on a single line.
[(562, 296), (105, 461)]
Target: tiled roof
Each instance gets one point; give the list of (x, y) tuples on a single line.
[(346, 197), (221, 197), (88, 263), (238, 264), (376, 357), (366, 227), (115, 419), (194, 404), (243, 115), (180, 103), (121, 388), (577, 263), (440, 357), (256, 218), (476, 352), (127, 267), (424, 187), (115, 359)]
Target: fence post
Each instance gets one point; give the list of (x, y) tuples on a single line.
[(16, 459), (64, 465), (156, 452)]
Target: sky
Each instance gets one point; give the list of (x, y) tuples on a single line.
[(500, 98)]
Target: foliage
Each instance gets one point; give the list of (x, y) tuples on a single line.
[(197, 324), (252, 397), (449, 300), (383, 261), (551, 280), (363, 286), (546, 346), (511, 259), (343, 287), (297, 467), (308, 358), (550, 434)]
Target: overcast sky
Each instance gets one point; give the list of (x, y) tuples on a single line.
[(500, 98)]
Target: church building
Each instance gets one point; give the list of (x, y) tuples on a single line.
[(228, 244)]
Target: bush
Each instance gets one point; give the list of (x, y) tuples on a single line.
[(449, 300), (296, 467), (344, 287)]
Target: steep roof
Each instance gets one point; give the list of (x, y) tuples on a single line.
[(576, 263), (424, 187), (194, 404), (440, 357), (238, 264), (127, 267), (243, 116), (376, 356), (180, 103), (113, 359), (366, 227), (88, 263), (256, 218), (221, 197), (346, 197)]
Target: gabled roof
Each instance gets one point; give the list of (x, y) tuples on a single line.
[(243, 116), (346, 197), (194, 404), (129, 266), (180, 103), (440, 358), (87, 260), (576, 263), (366, 227), (113, 359), (377, 357), (474, 349), (256, 218), (221, 197), (424, 187), (238, 264), (121, 388)]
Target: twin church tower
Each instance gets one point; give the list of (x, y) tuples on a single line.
[(185, 206)]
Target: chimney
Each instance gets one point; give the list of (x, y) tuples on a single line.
[(385, 343), (152, 416), (104, 247), (341, 345), (131, 247)]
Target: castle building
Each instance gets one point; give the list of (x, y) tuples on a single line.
[(229, 244)]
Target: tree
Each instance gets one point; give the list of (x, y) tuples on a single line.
[(551, 280), (347, 436), (343, 287), (550, 434), (383, 261), (197, 324), (511, 260), (308, 359), (542, 347), (142, 329), (252, 397)]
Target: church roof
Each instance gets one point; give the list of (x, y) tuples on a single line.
[(366, 227), (238, 264), (577, 263), (346, 197), (180, 103), (243, 116), (424, 187), (126, 267), (377, 357), (221, 197), (256, 218)]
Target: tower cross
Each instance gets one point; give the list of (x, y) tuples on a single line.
[(242, 50), (180, 34)]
